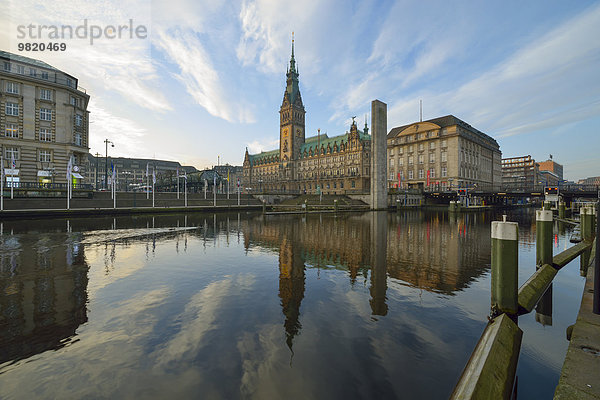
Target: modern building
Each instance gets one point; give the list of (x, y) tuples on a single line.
[(44, 122), (552, 166), (331, 165), (519, 173), (442, 153), (548, 178), (131, 172)]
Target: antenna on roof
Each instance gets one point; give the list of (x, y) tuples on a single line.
[(420, 110)]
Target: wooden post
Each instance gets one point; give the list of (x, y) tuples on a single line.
[(505, 266), (586, 217), (543, 241), (561, 210)]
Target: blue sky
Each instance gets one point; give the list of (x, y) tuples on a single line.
[(209, 78)]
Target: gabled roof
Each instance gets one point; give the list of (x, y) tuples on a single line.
[(264, 156)]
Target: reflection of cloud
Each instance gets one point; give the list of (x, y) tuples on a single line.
[(107, 355), (198, 318)]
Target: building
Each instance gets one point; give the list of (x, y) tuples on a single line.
[(233, 172), (442, 153), (44, 122), (553, 167), (547, 178), (131, 172), (593, 180), (331, 165), (519, 173)]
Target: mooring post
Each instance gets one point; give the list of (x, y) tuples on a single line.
[(586, 217), (335, 205), (264, 206), (305, 205), (505, 266), (397, 205), (597, 264), (561, 209), (543, 242)]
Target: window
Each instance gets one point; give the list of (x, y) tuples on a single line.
[(431, 145), (6, 66), (401, 150), (11, 153), (11, 131), (444, 144), (421, 174), (410, 174), (12, 109), (12, 87), (444, 156), (432, 173), (44, 75), (32, 72), (69, 82), (74, 101), (391, 163), (410, 160), (353, 184), (78, 119), (431, 157), (410, 148), (421, 159), (45, 114), (45, 94), (392, 151), (421, 147), (77, 139), (401, 162), (21, 69), (45, 135), (45, 156)]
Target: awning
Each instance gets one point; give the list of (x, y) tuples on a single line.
[(76, 175), (44, 173)]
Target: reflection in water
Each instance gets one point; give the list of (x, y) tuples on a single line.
[(543, 309), (43, 293), (368, 305)]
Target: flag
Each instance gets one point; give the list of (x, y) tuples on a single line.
[(399, 179), (153, 176), (428, 174), (238, 182), (227, 175), (147, 165), (69, 166), (177, 172), (114, 174)]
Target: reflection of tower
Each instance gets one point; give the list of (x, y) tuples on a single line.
[(543, 309), (378, 263), (291, 289)]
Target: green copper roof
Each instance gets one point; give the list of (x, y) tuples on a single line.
[(265, 156)]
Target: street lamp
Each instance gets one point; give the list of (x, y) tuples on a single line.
[(106, 142)]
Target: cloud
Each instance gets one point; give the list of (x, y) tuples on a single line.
[(549, 82), (257, 146), (127, 135)]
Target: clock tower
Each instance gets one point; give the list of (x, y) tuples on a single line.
[(291, 119)]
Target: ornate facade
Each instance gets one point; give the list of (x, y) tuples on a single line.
[(335, 165)]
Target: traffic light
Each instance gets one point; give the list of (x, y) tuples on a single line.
[(551, 190), (462, 192)]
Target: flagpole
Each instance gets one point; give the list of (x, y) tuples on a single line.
[(177, 183), (227, 184), (114, 188), (238, 189), (185, 188), (215, 189), (147, 184), (205, 187), (153, 179)]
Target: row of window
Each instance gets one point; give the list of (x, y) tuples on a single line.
[(45, 134), (45, 113), (12, 153), (420, 147), (420, 159), (421, 174), (45, 94), (420, 136)]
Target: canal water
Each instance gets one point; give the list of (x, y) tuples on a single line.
[(370, 305)]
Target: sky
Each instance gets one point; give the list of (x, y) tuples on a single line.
[(207, 79)]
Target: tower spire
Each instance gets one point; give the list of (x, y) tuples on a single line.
[(292, 60)]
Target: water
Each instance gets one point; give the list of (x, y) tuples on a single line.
[(371, 305)]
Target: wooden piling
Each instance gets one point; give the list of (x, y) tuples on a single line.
[(561, 210), (505, 266), (543, 244)]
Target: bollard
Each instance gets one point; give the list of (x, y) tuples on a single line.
[(547, 205), (335, 205), (543, 243), (397, 205), (586, 218), (306, 205), (264, 206), (505, 266), (561, 210)]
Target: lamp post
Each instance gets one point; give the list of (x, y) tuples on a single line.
[(106, 142), (97, 160)]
